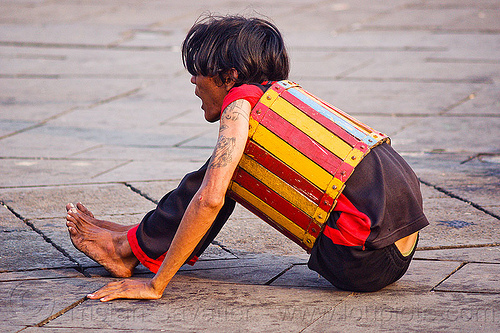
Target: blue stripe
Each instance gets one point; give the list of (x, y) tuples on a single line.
[(337, 120)]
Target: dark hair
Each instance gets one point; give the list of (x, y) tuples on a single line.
[(252, 46)]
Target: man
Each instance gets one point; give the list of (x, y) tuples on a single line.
[(231, 60)]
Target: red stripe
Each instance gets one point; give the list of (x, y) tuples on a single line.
[(300, 141), (259, 111), (265, 218), (272, 199), (344, 172), (283, 171), (327, 123), (152, 264)]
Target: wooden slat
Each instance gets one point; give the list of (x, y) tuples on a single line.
[(281, 229), (268, 211), (270, 198), (334, 117), (293, 158), (277, 185), (308, 126), (283, 171), (328, 158)]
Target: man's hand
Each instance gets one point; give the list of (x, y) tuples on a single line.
[(131, 289)]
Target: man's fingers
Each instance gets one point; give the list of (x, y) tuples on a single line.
[(106, 290), (131, 289)]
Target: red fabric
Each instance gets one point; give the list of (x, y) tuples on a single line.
[(248, 92), (353, 226), (152, 264)]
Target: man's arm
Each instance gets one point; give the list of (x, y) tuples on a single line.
[(201, 212)]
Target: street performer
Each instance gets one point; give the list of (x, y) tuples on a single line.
[(325, 180)]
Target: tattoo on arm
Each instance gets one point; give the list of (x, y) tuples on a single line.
[(234, 111), (223, 152)]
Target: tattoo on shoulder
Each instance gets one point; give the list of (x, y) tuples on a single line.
[(234, 111), (223, 152)]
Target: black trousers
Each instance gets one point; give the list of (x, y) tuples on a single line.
[(157, 229)]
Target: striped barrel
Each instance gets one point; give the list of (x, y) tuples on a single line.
[(299, 154)]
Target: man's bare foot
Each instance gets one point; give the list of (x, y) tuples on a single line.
[(109, 248), (100, 223)]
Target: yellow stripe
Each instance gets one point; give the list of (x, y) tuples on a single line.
[(290, 156), (311, 128), (278, 185), (269, 97), (354, 157), (335, 188), (252, 127), (268, 211)]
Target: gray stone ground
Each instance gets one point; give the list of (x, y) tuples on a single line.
[(95, 106)]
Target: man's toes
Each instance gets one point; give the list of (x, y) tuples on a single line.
[(73, 230), (84, 209), (74, 219), (69, 206)]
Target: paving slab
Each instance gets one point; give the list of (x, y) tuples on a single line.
[(364, 40), (28, 302), (429, 18), (145, 170), (40, 274), (309, 64), (252, 235), (81, 34), (422, 275), (48, 143), (157, 189), (486, 20), (466, 279), (299, 275), (113, 63), (400, 100), (205, 307), (393, 311), (45, 172), (40, 12), (35, 100), (143, 153), (489, 254), (484, 102), (457, 135), (204, 140), (241, 272), (415, 67), (50, 202), (9, 222), (454, 222), (472, 178), (28, 250)]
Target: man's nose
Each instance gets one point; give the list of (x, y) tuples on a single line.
[(193, 79)]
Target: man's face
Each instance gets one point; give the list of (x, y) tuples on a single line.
[(211, 91)]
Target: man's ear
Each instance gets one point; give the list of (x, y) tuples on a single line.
[(231, 78)]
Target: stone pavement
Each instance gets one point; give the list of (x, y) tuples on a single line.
[(95, 106)]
